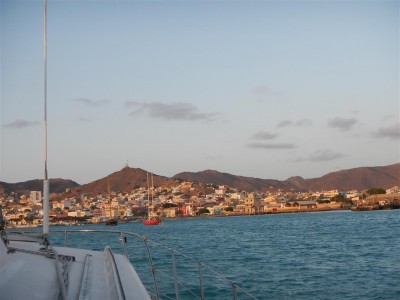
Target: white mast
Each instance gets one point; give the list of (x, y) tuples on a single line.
[(148, 194), (152, 188), (109, 196), (46, 180)]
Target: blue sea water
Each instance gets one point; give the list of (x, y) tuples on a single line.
[(324, 255)]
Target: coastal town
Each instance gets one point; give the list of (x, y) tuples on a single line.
[(184, 200)]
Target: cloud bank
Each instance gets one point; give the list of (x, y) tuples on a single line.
[(342, 123), (392, 132), (92, 103), (298, 123), (20, 124), (271, 145), (170, 112), (264, 135), (324, 155)]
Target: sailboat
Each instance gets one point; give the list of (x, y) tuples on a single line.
[(150, 220), (111, 221), (32, 268)]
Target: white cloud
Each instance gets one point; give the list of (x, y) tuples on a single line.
[(19, 124), (298, 123), (264, 135), (169, 112), (392, 132), (303, 123), (325, 155), (92, 103), (285, 123), (342, 123), (271, 145)]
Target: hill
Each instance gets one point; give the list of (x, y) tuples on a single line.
[(358, 178), (57, 185), (239, 182), (124, 180)]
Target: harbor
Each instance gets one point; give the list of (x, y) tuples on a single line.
[(262, 91), (330, 255), (26, 210)]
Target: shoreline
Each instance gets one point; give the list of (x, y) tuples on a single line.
[(281, 211)]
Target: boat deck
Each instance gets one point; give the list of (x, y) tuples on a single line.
[(30, 272)]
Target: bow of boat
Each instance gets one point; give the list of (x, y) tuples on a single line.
[(30, 269)]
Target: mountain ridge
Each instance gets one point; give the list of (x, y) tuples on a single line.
[(360, 178), (128, 178), (58, 185)]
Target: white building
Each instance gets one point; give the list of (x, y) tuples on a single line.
[(36, 196)]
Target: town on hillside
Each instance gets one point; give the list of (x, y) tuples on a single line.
[(184, 200)]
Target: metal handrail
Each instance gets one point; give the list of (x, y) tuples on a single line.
[(116, 276), (200, 265)]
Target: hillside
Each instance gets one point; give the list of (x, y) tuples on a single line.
[(128, 178), (57, 185), (357, 178), (124, 180), (239, 182)]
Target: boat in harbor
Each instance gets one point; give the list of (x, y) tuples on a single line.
[(112, 221), (151, 218), (32, 268), (35, 265), (152, 221)]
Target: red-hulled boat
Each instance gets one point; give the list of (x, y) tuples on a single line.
[(151, 222)]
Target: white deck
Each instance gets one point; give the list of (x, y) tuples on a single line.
[(33, 276)]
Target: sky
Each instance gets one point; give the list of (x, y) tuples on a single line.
[(267, 89)]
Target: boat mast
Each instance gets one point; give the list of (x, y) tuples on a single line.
[(46, 203), (152, 188), (109, 196), (148, 194)]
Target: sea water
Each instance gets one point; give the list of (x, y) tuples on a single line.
[(324, 255)]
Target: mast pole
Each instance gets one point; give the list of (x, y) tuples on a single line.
[(46, 203), (152, 188), (109, 196)]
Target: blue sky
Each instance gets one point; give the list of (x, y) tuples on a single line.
[(267, 89)]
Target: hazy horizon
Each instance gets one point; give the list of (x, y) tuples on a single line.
[(137, 167)]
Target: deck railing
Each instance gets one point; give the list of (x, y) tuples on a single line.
[(160, 273)]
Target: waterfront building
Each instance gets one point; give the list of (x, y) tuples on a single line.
[(35, 196), (241, 208), (330, 194), (253, 204), (382, 199), (170, 212)]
